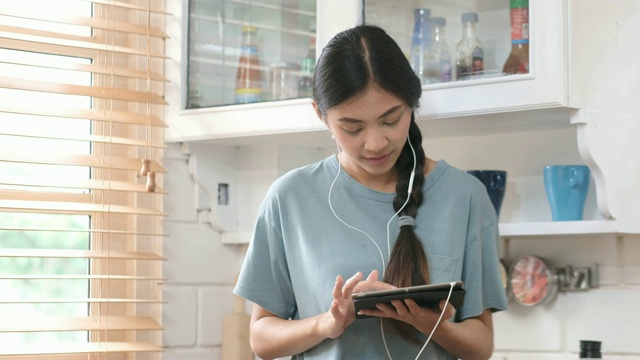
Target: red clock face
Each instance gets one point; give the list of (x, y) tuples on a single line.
[(530, 281)]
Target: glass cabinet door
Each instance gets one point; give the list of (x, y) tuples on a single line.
[(448, 41), (243, 51)]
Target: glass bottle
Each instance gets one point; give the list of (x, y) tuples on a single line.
[(518, 60), (249, 75), (420, 42), (311, 52), (305, 85), (469, 51), (590, 349), (438, 57)]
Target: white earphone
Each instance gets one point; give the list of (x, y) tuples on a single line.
[(409, 190)]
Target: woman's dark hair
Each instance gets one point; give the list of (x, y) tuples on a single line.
[(353, 60)]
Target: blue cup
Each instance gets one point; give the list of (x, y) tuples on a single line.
[(566, 187), (495, 181)]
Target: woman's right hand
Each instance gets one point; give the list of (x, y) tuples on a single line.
[(342, 311), (274, 337)]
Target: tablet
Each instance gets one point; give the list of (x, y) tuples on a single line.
[(424, 295)]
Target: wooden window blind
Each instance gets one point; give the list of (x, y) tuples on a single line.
[(81, 197)]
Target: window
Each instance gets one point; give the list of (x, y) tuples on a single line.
[(81, 119)]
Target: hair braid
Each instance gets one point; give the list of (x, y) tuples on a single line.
[(408, 264)]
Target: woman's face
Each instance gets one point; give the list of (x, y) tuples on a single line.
[(371, 130)]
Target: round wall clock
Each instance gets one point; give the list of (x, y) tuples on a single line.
[(532, 280)]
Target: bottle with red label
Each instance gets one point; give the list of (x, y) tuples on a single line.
[(518, 60), (249, 74)]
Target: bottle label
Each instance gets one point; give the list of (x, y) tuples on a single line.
[(245, 96), (520, 26), (249, 50)]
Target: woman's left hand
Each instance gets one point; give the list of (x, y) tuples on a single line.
[(407, 310)]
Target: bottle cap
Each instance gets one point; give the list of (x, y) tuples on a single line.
[(470, 17), (421, 12), (519, 4), (249, 28), (438, 21)]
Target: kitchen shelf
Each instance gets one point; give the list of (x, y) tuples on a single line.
[(564, 228)]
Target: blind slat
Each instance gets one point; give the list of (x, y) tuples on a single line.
[(109, 24), (124, 5), (102, 162), (100, 300), (92, 138), (83, 114), (81, 184), (69, 253), (58, 207), (89, 68), (93, 230), (92, 91), (42, 41), (86, 348), (76, 323), (81, 277)]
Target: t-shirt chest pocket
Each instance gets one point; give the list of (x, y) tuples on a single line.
[(441, 268)]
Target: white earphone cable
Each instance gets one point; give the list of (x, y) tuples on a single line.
[(409, 190)]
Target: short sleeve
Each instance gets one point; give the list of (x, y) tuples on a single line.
[(481, 270), (264, 278)]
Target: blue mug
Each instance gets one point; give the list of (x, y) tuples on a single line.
[(566, 187), (495, 181)]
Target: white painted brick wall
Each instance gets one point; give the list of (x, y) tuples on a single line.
[(201, 273)]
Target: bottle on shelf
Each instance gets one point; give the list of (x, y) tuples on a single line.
[(590, 349), (518, 60), (249, 74), (420, 42), (469, 51), (305, 84), (311, 53), (438, 56)]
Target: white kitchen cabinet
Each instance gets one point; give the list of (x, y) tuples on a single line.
[(574, 106)]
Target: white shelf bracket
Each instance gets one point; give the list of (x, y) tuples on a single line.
[(608, 144)]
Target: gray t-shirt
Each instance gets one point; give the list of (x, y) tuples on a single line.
[(299, 247)]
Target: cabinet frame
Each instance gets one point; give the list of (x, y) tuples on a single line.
[(536, 101)]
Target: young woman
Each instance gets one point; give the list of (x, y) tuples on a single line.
[(379, 214)]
